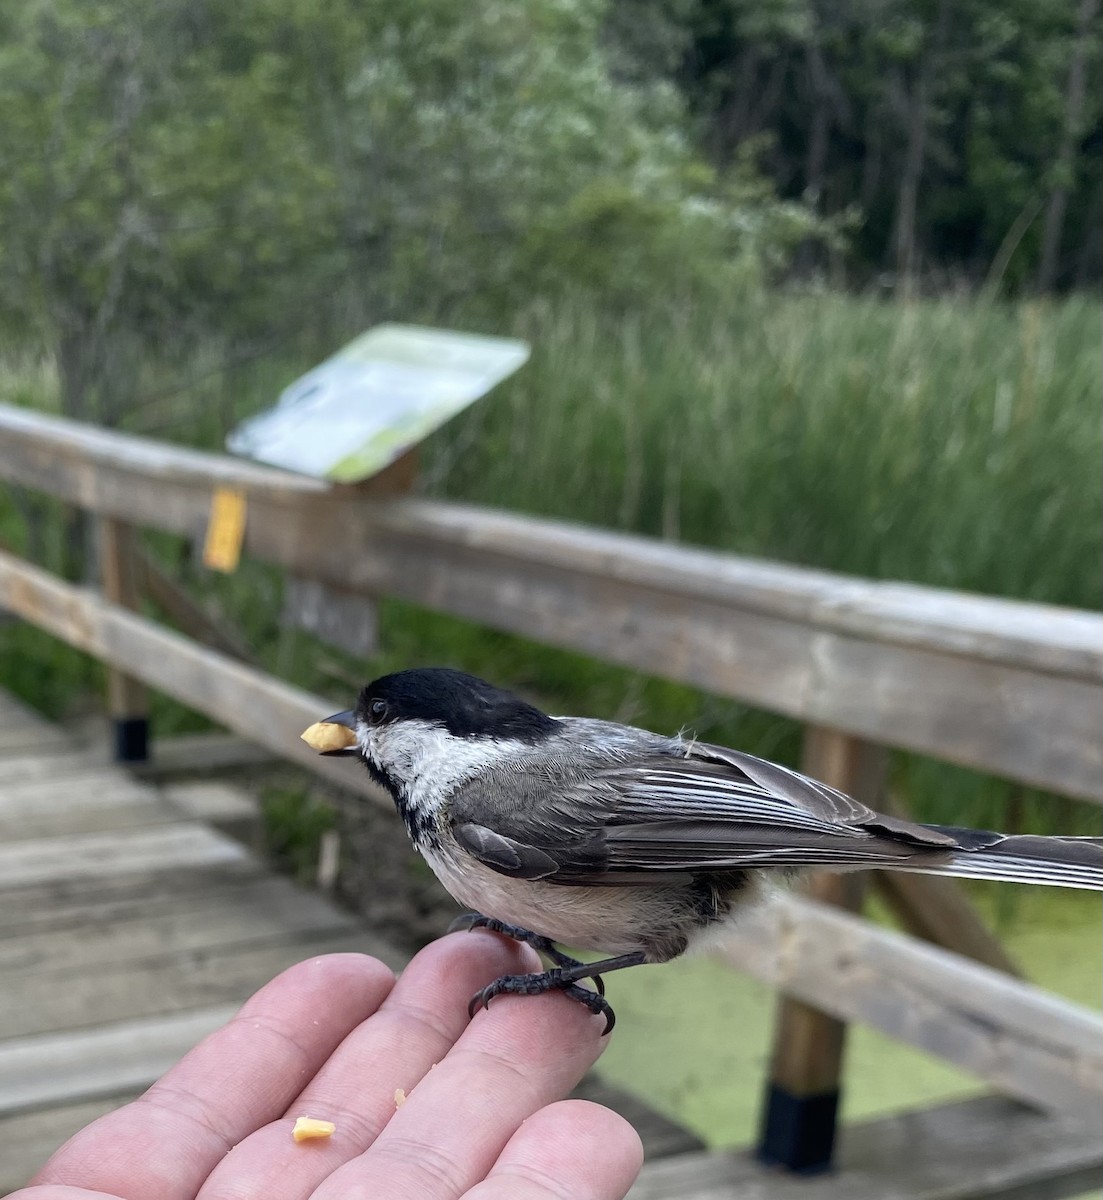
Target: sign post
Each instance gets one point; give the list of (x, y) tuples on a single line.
[(358, 419)]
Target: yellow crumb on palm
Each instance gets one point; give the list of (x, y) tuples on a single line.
[(399, 1097), (308, 1128)]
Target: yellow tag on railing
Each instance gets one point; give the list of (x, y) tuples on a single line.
[(225, 530)]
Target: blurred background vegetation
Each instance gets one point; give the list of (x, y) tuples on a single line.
[(805, 280), (815, 280), (188, 184)]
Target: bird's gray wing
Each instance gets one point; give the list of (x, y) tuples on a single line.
[(705, 809)]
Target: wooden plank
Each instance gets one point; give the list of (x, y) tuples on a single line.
[(23, 743), (193, 753), (1023, 1041), (938, 910), (29, 1138), (15, 714), (127, 701), (54, 1068), (992, 684), (802, 1093), (156, 875), (188, 614), (33, 768), (246, 700), (110, 472), (23, 734), (1043, 637), (38, 1001), (23, 740), (270, 911), (192, 894), (78, 803), (217, 803), (984, 1149), (68, 859), (61, 788)]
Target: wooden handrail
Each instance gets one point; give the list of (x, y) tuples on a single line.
[(1012, 688), (104, 470)]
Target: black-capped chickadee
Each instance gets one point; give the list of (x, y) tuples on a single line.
[(605, 837)]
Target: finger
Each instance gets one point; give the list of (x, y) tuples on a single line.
[(168, 1141), (511, 1061), (52, 1192), (573, 1150), (414, 1029)]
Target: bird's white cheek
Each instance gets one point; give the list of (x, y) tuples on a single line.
[(373, 747)]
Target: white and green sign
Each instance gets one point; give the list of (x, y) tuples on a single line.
[(358, 411)]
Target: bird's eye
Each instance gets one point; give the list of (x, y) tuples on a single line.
[(377, 711)]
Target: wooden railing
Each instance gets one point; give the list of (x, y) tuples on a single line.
[(1010, 688)]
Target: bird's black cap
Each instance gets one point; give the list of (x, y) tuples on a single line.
[(463, 704)]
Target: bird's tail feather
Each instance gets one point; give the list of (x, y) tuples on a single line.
[(1075, 862)]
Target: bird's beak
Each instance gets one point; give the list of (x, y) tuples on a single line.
[(335, 735)]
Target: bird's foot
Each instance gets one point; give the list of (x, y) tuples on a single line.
[(541, 944), (564, 976), (545, 981)]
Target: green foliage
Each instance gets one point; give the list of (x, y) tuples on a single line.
[(173, 173), (294, 823), (948, 442), (157, 177), (953, 126), (507, 159)]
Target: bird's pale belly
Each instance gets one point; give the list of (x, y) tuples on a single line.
[(587, 918)]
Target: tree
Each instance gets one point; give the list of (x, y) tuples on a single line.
[(155, 180), (952, 126), (1071, 132), (500, 154), (172, 171)]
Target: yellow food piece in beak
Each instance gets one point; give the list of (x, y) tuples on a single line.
[(307, 1128), (326, 737)]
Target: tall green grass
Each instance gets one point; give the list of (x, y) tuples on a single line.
[(949, 442), (954, 442)]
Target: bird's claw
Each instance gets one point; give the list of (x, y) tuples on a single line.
[(473, 920), (467, 921), (534, 985)]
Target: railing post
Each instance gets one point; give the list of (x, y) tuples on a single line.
[(127, 697), (802, 1093)]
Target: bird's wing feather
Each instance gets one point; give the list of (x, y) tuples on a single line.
[(506, 855), (707, 809)]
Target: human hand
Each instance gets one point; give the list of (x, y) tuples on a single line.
[(334, 1038)]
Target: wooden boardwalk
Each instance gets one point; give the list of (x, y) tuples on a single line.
[(128, 931), (130, 928), (989, 1148)]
